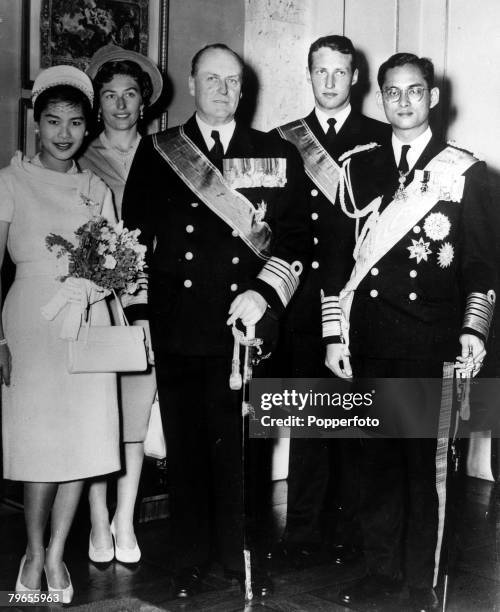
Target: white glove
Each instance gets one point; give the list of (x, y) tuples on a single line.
[(79, 294)]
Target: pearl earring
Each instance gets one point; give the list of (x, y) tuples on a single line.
[(141, 114), (99, 116)]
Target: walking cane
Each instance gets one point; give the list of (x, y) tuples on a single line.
[(236, 382)]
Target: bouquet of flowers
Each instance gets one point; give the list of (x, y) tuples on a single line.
[(110, 256), (105, 259)]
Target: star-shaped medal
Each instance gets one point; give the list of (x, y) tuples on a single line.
[(419, 250)]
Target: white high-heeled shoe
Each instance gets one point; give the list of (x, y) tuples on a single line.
[(67, 592), (101, 555), (20, 587), (125, 555)]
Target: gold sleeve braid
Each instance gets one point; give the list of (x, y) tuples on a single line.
[(479, 311)]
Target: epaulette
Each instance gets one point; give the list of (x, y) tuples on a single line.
[(455, 145), (358, 149)]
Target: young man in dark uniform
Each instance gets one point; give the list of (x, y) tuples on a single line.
[(332, 128), (222, 213), (421, 293)]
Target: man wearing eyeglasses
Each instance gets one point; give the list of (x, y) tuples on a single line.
[(421, 293)]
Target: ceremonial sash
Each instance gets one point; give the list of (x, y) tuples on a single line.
[(205, 180), (443, 439), (384, 230), (320, 167)]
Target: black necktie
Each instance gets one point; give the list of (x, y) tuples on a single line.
[(217, 151), (331, 133), (403, 167)]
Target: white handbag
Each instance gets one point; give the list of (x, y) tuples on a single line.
[(108, 348), (154, 444)]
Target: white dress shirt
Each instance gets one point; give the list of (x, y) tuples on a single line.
[(226, 132), (416, 147), (340, 118)]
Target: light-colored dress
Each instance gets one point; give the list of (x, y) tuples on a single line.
[(56, 426), (110, 164), (137, 390)]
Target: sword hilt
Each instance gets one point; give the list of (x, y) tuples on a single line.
[(247, 364), (235, 382), (250, 342)]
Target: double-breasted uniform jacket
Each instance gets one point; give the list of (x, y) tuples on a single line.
[(197, 263), (411, 303), (302, 352), (333, 232)]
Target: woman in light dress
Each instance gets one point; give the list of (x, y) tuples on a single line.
[(58, 428), (125, 83)]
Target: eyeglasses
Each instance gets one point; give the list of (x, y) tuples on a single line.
[(415, 93)]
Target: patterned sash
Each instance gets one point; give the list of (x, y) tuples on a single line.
[(320, 167), (205, 180), (443, 439), (382, 231)]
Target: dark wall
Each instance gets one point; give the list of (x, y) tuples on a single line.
[(10, 77)]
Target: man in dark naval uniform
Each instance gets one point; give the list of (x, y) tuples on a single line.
[(422, 292), (222, 213), (332, 128)]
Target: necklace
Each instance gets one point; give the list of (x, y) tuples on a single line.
[(109, 145), (123, 158)]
